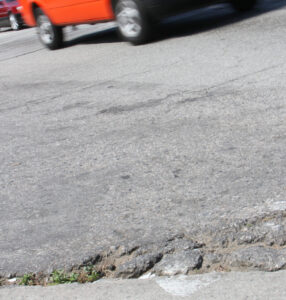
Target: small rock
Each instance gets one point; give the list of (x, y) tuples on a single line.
[(220, 241), (211, 259), (259, 258), (138, 265), (179, 263), (181, 245), (277, 237), (246, 238)]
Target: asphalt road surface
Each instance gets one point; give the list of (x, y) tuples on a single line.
[(103, 144)]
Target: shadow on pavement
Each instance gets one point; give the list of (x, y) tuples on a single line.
[(99, 37), (212, 18), (8, 29), (191, 23), (5, 29)]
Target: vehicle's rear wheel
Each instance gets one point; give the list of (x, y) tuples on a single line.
[(244, 5), (14, 22), (134, 24), (50, 35)]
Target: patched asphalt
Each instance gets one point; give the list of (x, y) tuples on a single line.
[(105, 146)]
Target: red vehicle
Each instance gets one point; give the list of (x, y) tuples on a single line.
[(10, 15), (135, 18)]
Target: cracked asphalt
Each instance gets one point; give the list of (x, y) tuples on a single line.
[(103, 144)]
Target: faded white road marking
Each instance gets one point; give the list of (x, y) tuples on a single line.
[(186, 285)]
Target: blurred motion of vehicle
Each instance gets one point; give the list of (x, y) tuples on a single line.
[(10, 15), (135, 18)]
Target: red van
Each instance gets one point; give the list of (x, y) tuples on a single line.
[(10, 15), (134, 17)]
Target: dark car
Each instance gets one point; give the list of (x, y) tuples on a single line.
[(135, 18), (10, 15)]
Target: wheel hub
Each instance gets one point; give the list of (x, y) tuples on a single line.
[(13, 22), (45, 29), (128, 18)]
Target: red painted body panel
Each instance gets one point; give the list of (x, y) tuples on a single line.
[(69, 12)]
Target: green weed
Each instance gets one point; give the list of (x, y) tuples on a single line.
[(83, 275)]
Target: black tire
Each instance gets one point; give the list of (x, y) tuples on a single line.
[(14, 21), (244, 5), (141, 21), (50, 35)]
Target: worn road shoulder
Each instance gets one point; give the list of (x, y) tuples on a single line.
[(250, 285)]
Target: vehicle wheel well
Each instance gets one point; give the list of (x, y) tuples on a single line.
[(113, 3), (35, 6)]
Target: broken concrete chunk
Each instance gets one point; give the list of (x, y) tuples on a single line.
[(259, 258), (138, 265), (247, 237), (211, 259), (179, 263), (276, 237), (181, 245)]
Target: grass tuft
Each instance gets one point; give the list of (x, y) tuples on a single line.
[(83, 275)]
